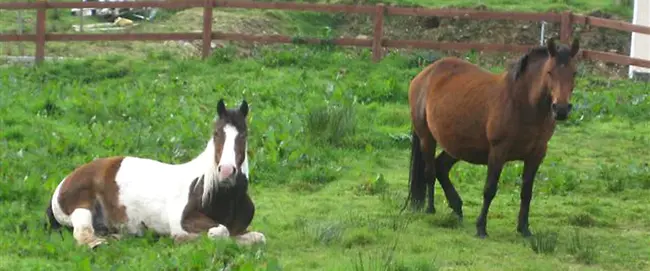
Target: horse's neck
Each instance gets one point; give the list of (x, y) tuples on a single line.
[(203, 163), (530, 99)]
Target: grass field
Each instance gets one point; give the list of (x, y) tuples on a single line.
[(329, 144)]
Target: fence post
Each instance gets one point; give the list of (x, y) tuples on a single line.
[(207, 27), (378, 33), (21, 30), (39, 55), (566, 29)]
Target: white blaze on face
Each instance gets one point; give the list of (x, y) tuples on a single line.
[(227, 164)]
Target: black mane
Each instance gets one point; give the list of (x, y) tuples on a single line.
[(535, 54)]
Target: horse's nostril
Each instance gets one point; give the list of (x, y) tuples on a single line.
[(554, 106)]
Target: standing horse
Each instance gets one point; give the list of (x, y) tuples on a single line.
[(487, 119), (131, 194)]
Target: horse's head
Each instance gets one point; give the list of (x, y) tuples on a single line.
[(230, 140), (558, 77)]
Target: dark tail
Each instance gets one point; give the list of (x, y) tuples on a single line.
[(417, 190), (99, 223), (51, 223)]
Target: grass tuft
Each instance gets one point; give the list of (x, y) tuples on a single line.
[(544, 242)]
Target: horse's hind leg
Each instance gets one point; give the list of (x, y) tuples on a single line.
[(83, 230), (428, 149), (444, 163)]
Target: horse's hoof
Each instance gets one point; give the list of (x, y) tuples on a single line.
[(96, 243), (218, 232), (525, 233), (431, 210), (481, 234), (252, 238), (459, 217)]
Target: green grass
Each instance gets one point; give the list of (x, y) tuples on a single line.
[(324, 202)]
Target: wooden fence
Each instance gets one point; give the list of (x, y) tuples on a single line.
[(377, 43)]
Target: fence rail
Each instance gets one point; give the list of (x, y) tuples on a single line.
[(377, 42)]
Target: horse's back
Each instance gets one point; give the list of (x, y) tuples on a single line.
[(451, 74)]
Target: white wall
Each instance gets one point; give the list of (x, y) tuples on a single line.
[(640, 47)]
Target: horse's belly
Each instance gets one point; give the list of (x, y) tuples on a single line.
[(145, 213), (467, 154), (462, 141)]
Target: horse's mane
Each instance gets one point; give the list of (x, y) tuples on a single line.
[(534, 55)]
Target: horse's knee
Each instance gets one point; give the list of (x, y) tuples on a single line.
[(218, 232), (251, 238), (83, 231)]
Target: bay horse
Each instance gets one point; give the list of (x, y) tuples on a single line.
[(125, 194), (489, 119)]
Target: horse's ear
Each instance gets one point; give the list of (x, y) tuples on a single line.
[(221, 108), (243, 108), (520, 67), (550, 45), (575, 47)]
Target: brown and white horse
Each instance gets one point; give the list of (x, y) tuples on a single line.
[(126, 194)]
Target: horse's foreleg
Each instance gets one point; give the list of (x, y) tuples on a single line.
[(196, 222), (531, 166), (250, 238), (495, 166), (83, 231)]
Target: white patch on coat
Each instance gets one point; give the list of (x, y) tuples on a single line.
[(59, 215)]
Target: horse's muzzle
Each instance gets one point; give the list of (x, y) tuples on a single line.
[(226, 171), (561, 111)]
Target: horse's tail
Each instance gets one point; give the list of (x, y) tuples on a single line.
[(416, 173), (51, 223)]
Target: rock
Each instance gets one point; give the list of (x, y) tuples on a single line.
[(122, 22)]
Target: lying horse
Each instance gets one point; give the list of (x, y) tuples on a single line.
[(487, 119), (131, 194)]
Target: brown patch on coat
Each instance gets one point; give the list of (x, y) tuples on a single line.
[(94, 183)]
